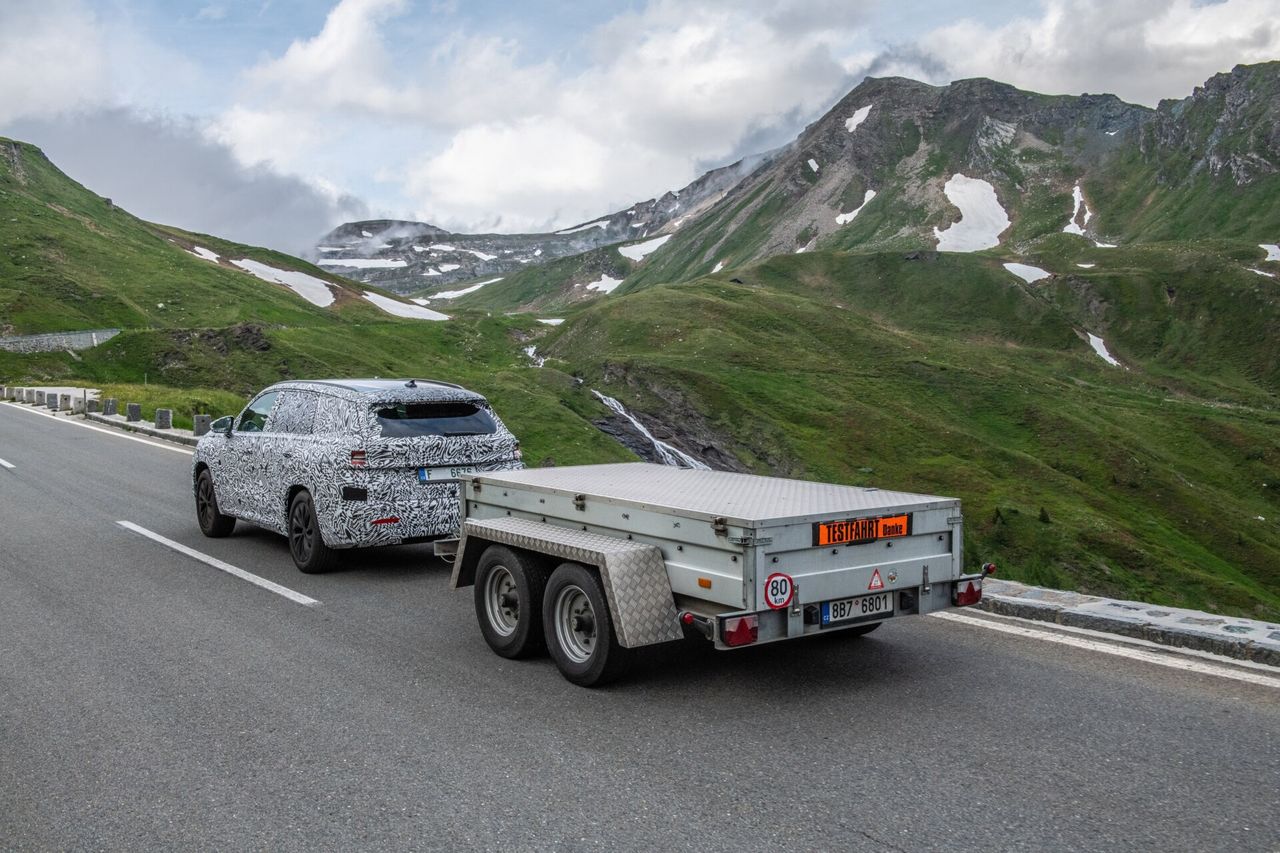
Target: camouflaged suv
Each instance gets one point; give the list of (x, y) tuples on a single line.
[(348, 463)]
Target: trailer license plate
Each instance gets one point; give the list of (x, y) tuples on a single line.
[(455, 472), (861, 607)]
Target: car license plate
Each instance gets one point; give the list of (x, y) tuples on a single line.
[(454, 472), (860, 607)]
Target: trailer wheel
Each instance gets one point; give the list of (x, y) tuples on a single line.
[(508, 595), (579, 630)]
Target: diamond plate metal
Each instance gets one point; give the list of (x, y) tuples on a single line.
[(745, 499), (634, 574)]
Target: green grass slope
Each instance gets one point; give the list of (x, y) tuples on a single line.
[(951, 377)]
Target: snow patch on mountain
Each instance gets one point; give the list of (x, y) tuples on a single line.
[(1102, 245), (450, 267), (206, 254), (1262, 272), (1027, 273), (454, 294), (1077, 225), (1272, 249), (1086, 266), (606, 284), (599, 223), (310, 288), (1100, 347), (442, 247), (552, 321), (858, 117), (400, 309), (813, 164), (432, 271), (846, 218), (982, 219), (364, 263), (637, 251), (719, 266)]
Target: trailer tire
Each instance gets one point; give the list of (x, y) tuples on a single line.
[(579, 629), (508, 596)]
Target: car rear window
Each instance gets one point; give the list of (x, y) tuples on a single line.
[(405, 420)]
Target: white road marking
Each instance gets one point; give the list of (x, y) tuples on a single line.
[(105, 430), (1159, 659), (4, 464), (298, 597)]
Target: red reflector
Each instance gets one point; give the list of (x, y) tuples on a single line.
[(971, 594), (358, 459), (686, 618), (741, 630), (390, 519), (989, 568)]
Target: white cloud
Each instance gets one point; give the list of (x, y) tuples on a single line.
[(52, 58), (1141, 50), (540, 146)]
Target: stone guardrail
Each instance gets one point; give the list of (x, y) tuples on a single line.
[(55, 341), (106, 411)]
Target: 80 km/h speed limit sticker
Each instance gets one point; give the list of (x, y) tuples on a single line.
[(778, 590)]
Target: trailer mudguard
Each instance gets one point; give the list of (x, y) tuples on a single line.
[(634, 574)]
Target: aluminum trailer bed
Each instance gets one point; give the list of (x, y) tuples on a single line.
[(590, 561)]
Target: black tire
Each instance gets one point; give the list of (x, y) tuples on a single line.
[(306, 545), (213, 523), (508, 597), (579, 629)]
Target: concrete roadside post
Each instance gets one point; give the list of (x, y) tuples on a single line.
[(51, 400), (200, 426), (39, 399), (31, 395), (93, 406), (133, 412), (111, 406), (164, 418), (64, 402)]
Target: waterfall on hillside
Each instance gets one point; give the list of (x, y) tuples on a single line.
[(667, 454)]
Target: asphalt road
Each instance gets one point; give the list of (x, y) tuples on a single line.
[(148, 700)]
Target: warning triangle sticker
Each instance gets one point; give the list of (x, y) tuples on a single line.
[(876, 583)]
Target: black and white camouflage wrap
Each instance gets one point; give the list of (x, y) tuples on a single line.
[(307, 442)]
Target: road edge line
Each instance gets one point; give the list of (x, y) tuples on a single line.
[(1159, 658), (115, 432)]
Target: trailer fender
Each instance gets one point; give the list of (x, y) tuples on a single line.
[(634, 574)]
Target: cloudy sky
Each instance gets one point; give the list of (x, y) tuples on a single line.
[(269, 121)]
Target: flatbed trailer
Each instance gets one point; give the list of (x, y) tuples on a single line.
[(590, 562)]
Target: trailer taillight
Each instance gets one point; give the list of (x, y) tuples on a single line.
[(967, 593), (358, 459), (741, 630)]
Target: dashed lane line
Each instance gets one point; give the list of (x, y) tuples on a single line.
[(4, 464), (272, 586), (1187, 664)]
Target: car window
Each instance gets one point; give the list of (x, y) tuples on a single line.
[(294, 414), (455, 417), (254, 418)]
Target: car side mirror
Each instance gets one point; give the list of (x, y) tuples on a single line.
[(222, 425)]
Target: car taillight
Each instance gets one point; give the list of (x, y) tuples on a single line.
[(358, 459), (741, 630), (970, 594), (390, 519)]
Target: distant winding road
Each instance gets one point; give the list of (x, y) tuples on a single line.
[(152, 697)]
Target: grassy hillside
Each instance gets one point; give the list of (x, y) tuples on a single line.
[(549, 287), (70, 260), (951, 377)]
